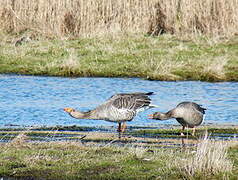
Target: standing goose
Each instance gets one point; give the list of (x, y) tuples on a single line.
[(188, 114), (119, 108)]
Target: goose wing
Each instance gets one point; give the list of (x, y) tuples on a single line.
[(192, 105), (199, 108), (123, 106), (130, 101)]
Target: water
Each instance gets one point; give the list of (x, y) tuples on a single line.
[(39, 101)]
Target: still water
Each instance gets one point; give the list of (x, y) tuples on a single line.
[(39, 101)]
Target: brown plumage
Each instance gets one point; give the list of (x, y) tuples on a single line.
[(188, 114), (119, 108)]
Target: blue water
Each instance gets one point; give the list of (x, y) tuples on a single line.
[(39, 101)]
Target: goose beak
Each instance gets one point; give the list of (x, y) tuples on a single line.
[(68, 110), (150, 116)]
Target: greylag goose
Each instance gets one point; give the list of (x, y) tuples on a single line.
[(188, 114), (119, 108)]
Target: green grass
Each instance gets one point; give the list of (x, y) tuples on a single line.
[(69, 133), (96, 157), (64, 160), (233, 154), (157, 58), (172, 133), (72, 161), (75, 132)]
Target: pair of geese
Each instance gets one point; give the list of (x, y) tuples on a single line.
[(124, 107)]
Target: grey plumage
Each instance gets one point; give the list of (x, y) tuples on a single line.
[(123, 107), (119, 108), (188, 114)]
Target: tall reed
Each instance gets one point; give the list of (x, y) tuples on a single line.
[(210, 158), (92, 17)]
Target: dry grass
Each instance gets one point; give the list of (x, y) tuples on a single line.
[(70, 65), (159, 58), (75, 160), (209, 158), (216, 67), (91, 18)]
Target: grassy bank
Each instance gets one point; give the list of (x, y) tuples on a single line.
[(74, 160), (94, 38), (157, 58)]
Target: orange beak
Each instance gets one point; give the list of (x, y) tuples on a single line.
[(150, 116), (68, 110)]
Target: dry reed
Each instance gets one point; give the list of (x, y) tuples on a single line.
[(210, 158), (62, 18)]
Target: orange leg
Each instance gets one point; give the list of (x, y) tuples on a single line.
[(123, 127), (193, 131)]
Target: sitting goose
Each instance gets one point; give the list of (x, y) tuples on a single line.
[(119, 108), (188, 114)]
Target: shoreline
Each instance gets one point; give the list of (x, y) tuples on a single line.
[(65, 133), (126, 77)]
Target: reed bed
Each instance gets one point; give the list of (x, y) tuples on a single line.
[(60, 18)]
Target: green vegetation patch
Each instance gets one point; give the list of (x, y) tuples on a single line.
[(233, 152), (157, 58), (175, 133), (104, 156), (72, 160), (77, 133)]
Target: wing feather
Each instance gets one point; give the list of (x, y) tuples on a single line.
[(193, 105), (130, 101)]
